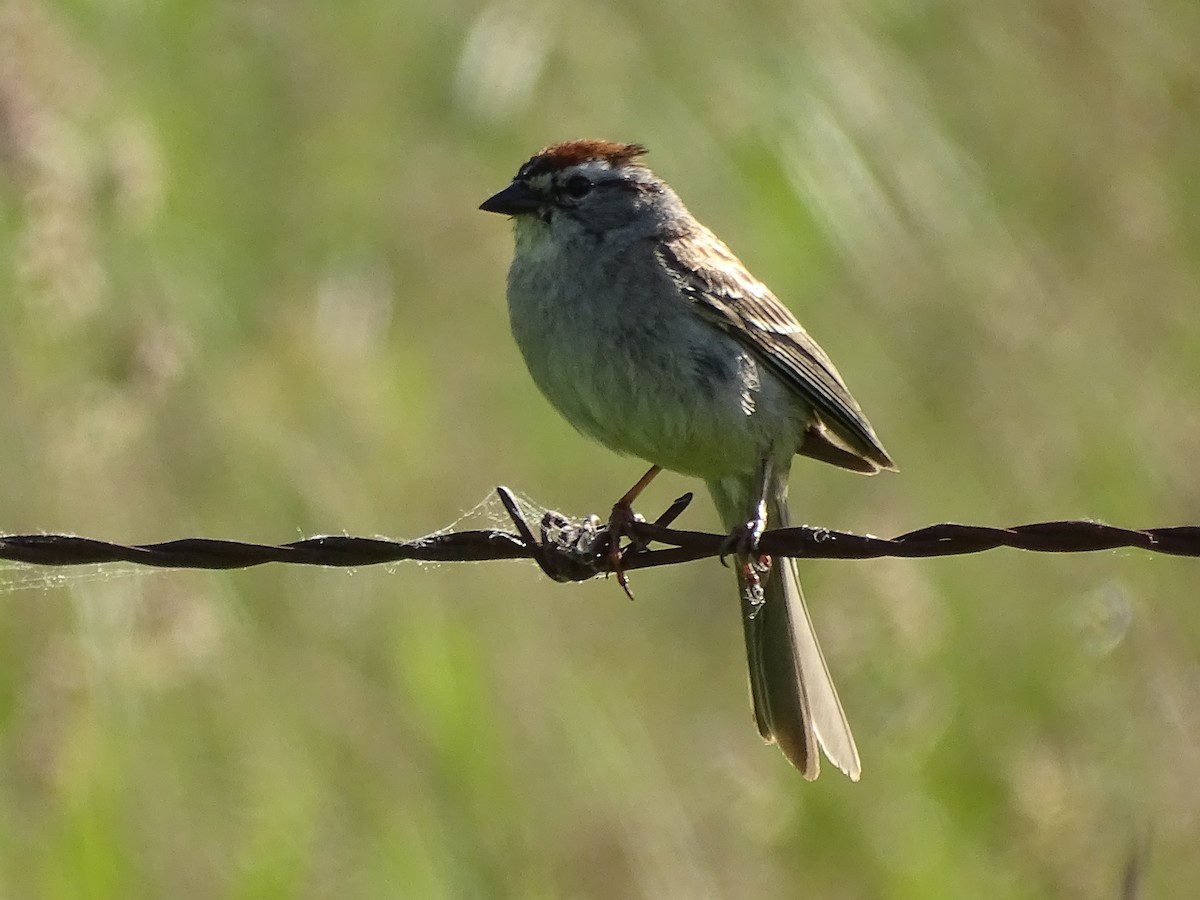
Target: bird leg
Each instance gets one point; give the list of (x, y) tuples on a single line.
[(618, 525), (742, 543)]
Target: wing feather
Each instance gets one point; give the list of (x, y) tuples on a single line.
[(712, 278)]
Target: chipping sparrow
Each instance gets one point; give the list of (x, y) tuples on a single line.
[(650, 336)]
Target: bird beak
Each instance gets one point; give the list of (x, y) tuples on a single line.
[(515, 199)]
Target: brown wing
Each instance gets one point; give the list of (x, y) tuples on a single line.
[(712, 278)]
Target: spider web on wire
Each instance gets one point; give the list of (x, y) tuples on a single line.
[(17, 577), (47, 562)]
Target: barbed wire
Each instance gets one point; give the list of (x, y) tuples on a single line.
[(574, 549)]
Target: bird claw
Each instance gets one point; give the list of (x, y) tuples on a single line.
[(619, 520), (742, 541)]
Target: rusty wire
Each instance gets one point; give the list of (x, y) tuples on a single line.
[(573, 550)]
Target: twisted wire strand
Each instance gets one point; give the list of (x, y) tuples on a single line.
[(573, 550)]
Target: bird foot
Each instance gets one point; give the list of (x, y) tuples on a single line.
[(619, 520), (742, 543), (743, 540)]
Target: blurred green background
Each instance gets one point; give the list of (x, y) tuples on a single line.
[(246, 293)]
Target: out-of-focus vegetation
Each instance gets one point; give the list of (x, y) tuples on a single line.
[(245, 293)]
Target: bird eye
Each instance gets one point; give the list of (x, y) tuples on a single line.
[(578, 186)]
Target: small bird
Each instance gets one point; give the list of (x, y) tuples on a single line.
[(648, 335)]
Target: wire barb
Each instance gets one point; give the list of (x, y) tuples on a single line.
[(574, 550)]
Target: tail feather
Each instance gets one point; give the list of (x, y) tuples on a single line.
[(781, 703), (795, 703)]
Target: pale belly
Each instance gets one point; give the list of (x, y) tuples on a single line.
[(657, 382)]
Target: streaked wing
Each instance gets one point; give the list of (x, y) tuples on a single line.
[(711, 277)]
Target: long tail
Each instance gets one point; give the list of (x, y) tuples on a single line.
[(795, 703)]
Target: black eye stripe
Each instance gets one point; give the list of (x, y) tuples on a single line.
[(616, 184), (561, 194)]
